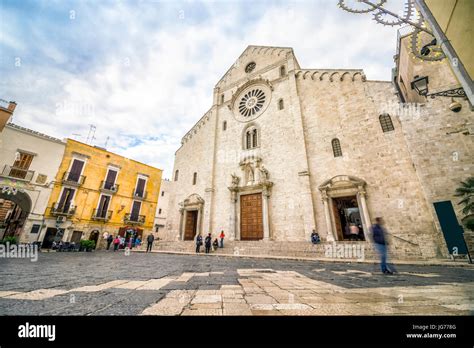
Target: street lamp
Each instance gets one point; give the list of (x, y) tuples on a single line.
[(420, 85)]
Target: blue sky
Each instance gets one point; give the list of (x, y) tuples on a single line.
[(143, 71)]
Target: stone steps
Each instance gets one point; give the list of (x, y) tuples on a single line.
[(340, 249)]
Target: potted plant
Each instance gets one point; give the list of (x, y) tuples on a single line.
[(11, 240), (87, 245), (466, 191)]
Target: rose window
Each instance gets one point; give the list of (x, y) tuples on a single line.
[(252, 102)]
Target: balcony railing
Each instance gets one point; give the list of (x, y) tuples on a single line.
[(17, 173), (139, 195), (134, 219), (108, 187), (65, 210), (102, 215), (73, 179)]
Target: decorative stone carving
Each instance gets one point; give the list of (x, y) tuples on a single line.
[(264, 175), (235, 180), (192, 200)]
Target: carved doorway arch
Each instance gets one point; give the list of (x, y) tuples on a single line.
[(191, 212), (338, 187)]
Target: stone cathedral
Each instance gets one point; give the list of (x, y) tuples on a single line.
[(284, 150)]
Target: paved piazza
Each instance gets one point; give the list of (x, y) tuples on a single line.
[(107, 283)]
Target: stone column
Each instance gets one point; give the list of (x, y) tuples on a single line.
[(199, 228), (265, 212), (327, 216), (306, 200), (233, 216), (205, 210), (365, 212), (181, 219)]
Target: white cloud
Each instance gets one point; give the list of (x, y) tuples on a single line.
[(144, 84)]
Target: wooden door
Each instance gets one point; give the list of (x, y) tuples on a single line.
[(251, 217), (76, 237), (190, 227), (337, 220)]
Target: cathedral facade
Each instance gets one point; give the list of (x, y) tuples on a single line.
[(285, 150)]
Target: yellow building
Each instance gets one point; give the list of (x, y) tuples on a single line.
[(97, 192)]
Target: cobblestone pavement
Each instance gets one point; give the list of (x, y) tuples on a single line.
[(107, 283)]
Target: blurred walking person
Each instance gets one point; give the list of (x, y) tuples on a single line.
[(380, 243)]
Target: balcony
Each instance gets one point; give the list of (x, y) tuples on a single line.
[(17, 173), (74, 179), (64, 210), (102, 215), (139, 195), (132, 219), (107, 187)]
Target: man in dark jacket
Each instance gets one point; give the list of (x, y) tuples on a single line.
[(149, 240), (380, 243), (207, 243), (110, 239), (198, 243)]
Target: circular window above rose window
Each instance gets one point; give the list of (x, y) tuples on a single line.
[(252, 102)]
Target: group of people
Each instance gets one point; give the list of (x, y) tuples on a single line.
[(208, 243), (379, 239), (121, 242)]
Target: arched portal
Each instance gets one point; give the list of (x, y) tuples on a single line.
[(345, 206), (15, 206), (191, 210)]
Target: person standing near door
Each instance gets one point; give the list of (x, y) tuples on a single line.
[(380, 243), (150, 240), (116, 243), (198, 243), (208, 243), (354, 230), (110, 239), (222, 235)]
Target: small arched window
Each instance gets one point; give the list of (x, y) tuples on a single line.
[(176, 174), (386, 123), (224, 125), (251, 138), (281, 104), (282, 71), (336, 147), (222, 98), (195, 175)]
